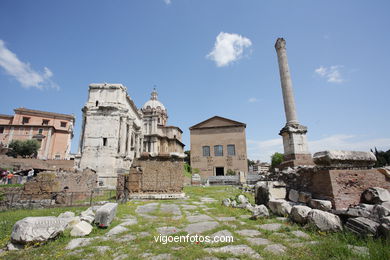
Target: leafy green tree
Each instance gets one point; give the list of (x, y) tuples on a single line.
[(250, 163), (25, 148), (276, 159), (382, 158), (187, 168), (188, 158)]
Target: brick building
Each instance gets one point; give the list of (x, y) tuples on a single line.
[(218, 147), (53, 131)]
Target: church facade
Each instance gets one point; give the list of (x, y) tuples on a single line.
[(158, 137), (115, 132)]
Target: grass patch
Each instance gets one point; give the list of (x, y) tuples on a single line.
[(11, 185), (330, 246)]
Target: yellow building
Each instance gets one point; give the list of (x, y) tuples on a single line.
[(218, 147), (54, 131)]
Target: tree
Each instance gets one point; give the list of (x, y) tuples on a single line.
[(188, 158), (250, 163), (25, 148), (382, 158), (276, 159)]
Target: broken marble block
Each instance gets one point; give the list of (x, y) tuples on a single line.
[(344, 159), (105, 214), (226, 202), (269, 190), (324, 205), (376, 195), (242, 200), (88, 219), (81, 229), (72, 222), (88, 212), (362, 226), (280, 207), (324, 221), (67, 214), (37, 229), (299, 214), (293, 195), (259, 211)]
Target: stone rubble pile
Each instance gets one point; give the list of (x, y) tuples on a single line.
[(35, 230), (371, 218), (258, 211)]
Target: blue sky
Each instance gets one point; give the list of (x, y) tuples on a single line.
[(208, 58)]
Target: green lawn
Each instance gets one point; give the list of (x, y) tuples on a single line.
[(330, 246)]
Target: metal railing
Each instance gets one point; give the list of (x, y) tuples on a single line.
[(20, 200)]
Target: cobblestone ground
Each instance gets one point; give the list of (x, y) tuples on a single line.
[(139, 230), (135, 234)]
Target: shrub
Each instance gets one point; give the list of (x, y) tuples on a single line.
[(26, 148)]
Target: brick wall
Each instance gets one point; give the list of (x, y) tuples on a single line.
[(25, 163), (152, 175), (341, 186), (46, 183)]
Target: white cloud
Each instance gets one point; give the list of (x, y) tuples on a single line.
[(23, 72), (332, 73), (252, 100), (264, 149), (228, 48), (168, 2)]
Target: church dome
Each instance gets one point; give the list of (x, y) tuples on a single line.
[(153, 103)]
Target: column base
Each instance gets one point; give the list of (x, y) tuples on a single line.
[(293, 160)]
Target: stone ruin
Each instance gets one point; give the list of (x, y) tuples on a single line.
[(342, 189), (338, 176), (50, 187), (158, 177)]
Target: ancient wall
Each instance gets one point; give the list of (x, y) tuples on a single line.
[(46, 183), (152, 175), (26, 163), (341, 186), (348, 185), (111, 132)]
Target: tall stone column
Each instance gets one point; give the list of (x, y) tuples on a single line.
[(142, 146), (129, 138), (122, 144), (294, 134), (81, 143), (285, 79)]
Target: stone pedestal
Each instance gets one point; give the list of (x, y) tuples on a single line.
[(295, 146)]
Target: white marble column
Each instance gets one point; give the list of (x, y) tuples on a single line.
[(141, 140), (122, 144), (130, 137), (285, 78), (81, 143)]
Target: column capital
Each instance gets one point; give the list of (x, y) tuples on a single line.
[(280, 44)]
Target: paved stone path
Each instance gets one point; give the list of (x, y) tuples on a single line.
[(251, 240)]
